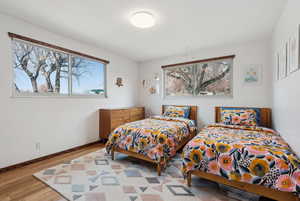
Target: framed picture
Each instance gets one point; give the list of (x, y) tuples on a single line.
[(293, 52), (209, 77), (282, 62), (178, 81), (252, 74), (277, 76)]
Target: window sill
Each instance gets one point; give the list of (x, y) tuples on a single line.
[(60, 96)]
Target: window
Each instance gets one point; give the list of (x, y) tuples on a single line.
[(87, 77), (41, 70)]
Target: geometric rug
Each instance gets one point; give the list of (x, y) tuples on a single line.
[(95, 177)]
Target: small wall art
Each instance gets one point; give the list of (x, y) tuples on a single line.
[(252, 74), (119, 82), (152, 84)]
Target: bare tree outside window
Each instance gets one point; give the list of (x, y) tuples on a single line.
[(84, 80), (43, 71)]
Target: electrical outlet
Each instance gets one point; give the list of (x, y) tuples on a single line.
[(37, 146)]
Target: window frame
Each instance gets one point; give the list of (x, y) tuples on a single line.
[(69, 94), (104, 95)]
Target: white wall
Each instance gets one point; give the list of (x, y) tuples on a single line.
[(286, 93), (256, 52), (56, 123)]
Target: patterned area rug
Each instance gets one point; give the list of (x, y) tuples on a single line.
[(95, 177)]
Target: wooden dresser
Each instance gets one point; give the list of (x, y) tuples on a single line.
[(109, 119)]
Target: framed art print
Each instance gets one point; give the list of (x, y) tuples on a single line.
[(293, 52), (277, 76), (252, 74), (208, 77), (282, 62), (178, 81)]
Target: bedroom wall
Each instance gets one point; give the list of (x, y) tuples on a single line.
[(254, 52), (56, 123), (286, 92)]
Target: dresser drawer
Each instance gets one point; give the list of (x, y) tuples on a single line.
[(115, 123), (120, 114), (135, 111), (137, 114), (137, 117)]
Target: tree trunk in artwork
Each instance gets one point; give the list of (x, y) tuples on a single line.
[(49, 84), (215, 79), (57, 80), (17, 88), (201, 85), (34, 85), (199, 79)]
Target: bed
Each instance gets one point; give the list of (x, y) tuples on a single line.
[(251, 158), (154, 139)]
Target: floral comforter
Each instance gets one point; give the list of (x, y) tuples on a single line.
[(253, 155), (156, 137)]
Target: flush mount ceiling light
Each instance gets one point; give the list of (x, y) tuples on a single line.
[(142, 19)]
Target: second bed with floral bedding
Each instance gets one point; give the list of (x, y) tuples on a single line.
[(254, 155)]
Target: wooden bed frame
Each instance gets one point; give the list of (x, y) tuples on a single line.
[(252, 188), (265, 115), (260, 190), (160, 164)]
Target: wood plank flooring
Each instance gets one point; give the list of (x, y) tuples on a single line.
[(20, 185)]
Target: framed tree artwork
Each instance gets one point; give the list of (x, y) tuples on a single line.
[(293, 51), (179, 81), (208, 77)]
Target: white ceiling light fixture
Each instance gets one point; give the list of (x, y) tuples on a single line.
[(142, 19)]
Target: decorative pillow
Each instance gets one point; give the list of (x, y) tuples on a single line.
[(176, 111), (240, 116)]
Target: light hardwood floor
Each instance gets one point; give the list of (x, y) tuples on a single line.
[(20, 185)]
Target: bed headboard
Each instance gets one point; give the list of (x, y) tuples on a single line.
[(193, 112), (265, 115)]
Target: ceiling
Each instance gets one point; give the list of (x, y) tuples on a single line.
[(181, 26)]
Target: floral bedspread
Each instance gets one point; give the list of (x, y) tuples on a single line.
[(253, 155), (155, 137)]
